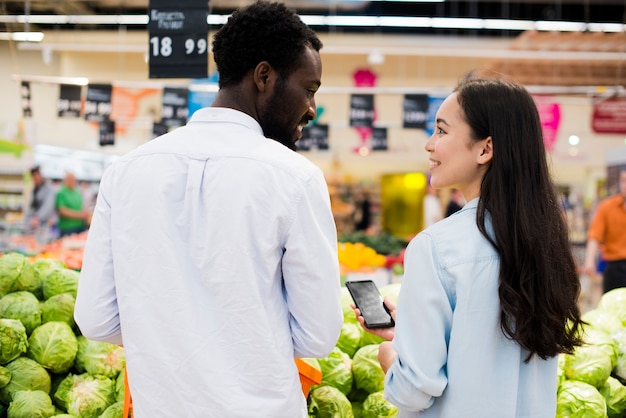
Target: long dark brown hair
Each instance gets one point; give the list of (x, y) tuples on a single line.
[(538, 282)]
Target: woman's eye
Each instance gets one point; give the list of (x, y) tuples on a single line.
[(440, 131)]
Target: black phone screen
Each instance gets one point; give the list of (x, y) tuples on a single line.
[(369, 301)]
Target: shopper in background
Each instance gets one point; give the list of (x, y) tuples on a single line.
[(608, 229), (488, 300), (212, 255), (432, 207), (41, 211), (73, 218), (455, 203)]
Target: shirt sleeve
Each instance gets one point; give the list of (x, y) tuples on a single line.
[(423, 323), (311, 274), (46, 211), (597, 227), (96, 311)]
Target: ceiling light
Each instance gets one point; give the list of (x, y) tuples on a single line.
[(21, 36)]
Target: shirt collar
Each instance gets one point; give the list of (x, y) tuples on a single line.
[(222, 114)]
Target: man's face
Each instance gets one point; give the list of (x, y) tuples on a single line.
[(291, 104)]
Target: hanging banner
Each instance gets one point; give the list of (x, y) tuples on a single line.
[(550, 116), (27, 110), (609, 116), (415, 111), (361, 110), (174, 108), (313, 136), (98, 102), (434, 102), (69, 104), (132, 108), (178, 31), (107, 132), (379, 139)]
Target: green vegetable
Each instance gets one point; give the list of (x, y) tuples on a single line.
[(376, 406), (59, 308), (42, 267), (350, 338), (368, 375), (24, 306), (615, 396), (54, 346), (26, 374), (329, 402), (602, 320), (60, 280), (90, 397), (337, 370), (13, 340), (16, 273), (590, 364), (579, 400), (114, 411), (97, 357), (31, 404), (5, 376), (67, 383), (614, 302)]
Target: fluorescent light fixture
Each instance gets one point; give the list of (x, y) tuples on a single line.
[(560, 26), (21, 36), (79, 81)]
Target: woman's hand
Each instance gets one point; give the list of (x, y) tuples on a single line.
[(384, 333)]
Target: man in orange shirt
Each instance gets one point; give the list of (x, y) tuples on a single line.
[(608, 228)]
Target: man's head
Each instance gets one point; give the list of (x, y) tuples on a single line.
[(35, 173), (268, 60), (70, 180)]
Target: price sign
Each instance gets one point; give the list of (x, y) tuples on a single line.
[(178, 45)]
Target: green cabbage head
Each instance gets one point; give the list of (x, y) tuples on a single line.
[(90, 397), (368, 375), (615, 396), (13, 340), (24, 306), (31, 404), (26, 374), (59, 308), (590, 364), (376, 406), (328, 402), (337, 370), (54, 346), (17, 273), (60, 280), (99, 357), (579, 400), (114, 411)]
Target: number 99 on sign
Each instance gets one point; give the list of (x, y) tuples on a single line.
[(165, 46)]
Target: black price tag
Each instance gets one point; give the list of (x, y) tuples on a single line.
[(98, 103), (415, 111), (361, 110), (178, 45), (379, 139), (69, 104), (27, 110)]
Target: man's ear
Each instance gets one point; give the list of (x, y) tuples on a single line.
[(262, 74), (485, 148)]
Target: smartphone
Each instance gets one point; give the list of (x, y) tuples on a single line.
[(370, 302)]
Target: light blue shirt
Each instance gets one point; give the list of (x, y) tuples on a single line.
[(212, 255), (453, 358)]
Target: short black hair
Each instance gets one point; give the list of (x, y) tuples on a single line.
[(262, 31), (35, 169)]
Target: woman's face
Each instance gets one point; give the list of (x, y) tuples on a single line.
[(456, 161)]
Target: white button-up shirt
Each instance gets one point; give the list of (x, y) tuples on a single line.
[(212, 254)]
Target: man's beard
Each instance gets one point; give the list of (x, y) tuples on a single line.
[(271, 123)]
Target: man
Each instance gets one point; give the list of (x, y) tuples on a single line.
[(212, 254), (608, 228), (41, 211), (73, 218)]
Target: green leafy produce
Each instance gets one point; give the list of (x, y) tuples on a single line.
[(60, 280), (42, 267), (615, 396), (120, 387), (5, 376), (54, 346), (13, 340), (614, 302), (17, 273), (337, 370), (368, 375), (24, 306), (350, 338), (114, 411), (59, 308), (620, 368), (26, 374), (602, 320), (328, 402), (579, 400), (588, 363), (376, 406), (98, 357), (31, 404), (383, 243), (70, 380), (90, 397)]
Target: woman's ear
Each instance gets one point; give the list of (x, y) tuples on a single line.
[(485, 148), (262, 75)]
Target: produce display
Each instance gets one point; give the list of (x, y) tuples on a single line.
[(47, 368)]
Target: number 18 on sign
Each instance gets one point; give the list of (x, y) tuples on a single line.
[(178, 46)]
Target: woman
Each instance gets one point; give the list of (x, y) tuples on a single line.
[(489, 296)]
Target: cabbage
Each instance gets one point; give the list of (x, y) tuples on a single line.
[(589, 364), (16, 273), (54, 346), (24, 306), (376, 406), (368, 375), (99, 357), (615, 396), (620, 368), (614, 302), (602, 320), (90, 397), (26, 374), (329, 402), (346, 302), (579, 400), (5, 376), (391, 291), (367, 338), (13, 340), (337, 370), (31, 404), (59, 308), (114, 411), (60, 280), (602, 341), (65, 385), (350, 338), (120, 387)]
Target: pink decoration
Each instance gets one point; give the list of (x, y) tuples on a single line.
[(550, 116), (364, 77)]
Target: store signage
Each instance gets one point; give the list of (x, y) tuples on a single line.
[(550, 117), (379, 139), (434, 102), (415, 107), (362, 110), (69, 104), (313, 136), (107, 132), (27, 110), (98, 102), (609, 116), (174, 108), (178, 45), (159, 129)]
